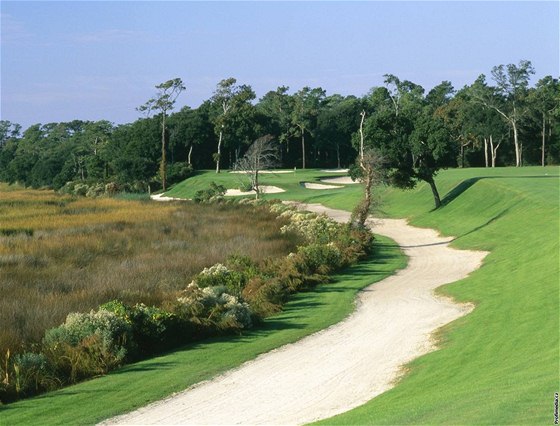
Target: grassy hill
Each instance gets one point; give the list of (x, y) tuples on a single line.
[(500, 364)]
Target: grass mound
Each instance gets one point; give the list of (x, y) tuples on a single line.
[(498, 365)]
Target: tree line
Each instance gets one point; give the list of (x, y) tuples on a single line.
[(492, 122)]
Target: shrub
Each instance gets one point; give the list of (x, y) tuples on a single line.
[(33, 374), (177, 172), (318, 258), (88, 344), (315, 229), (214, 193), (153, 329), (265, 296), (219, 275), (212, 307)]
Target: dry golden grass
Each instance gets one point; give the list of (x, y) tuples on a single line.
[(60, 254)]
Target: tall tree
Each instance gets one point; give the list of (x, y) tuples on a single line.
[(276, 106), (163, 102), (545, 98), (409, 132), (509, 97), (307, 103), (229, 99)]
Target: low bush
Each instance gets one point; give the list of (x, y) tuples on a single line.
[(212, 194), (152, 329), (213, 309), (88, 344)]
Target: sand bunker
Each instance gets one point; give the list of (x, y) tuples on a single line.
[(161, 197), (344, 180), (334, 171), (310, 185), (265, 189), (266, 171), (344, 366)]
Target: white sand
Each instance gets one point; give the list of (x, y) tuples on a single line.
[(344, 180), (310, 185), (345, 365), (334, 171), (265, 171), (161, 197), (263, 188)]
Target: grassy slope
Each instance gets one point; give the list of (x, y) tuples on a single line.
[(499, 365), (138, 384)]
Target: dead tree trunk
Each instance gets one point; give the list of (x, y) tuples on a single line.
[(485, 152), (189, 156)]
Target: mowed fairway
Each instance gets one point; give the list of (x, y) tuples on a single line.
[(500, 364)]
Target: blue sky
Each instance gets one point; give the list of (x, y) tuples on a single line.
[(100, 60)]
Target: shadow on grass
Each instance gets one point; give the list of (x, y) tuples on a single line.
[(466, 184)]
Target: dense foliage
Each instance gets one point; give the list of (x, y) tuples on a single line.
[(223, 298), (418, 132)]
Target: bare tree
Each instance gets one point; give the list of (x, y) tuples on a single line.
[(263, 154), (371, 166)]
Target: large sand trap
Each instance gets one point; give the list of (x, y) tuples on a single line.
[(310, 185), (344, 180), (263, 188), (345, 365)]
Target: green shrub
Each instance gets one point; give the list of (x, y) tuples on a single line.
[(177, 172), (153, 329), (88, 344), (33, 374), (214, 193), (318, 259), (213, 308), (265, 296)]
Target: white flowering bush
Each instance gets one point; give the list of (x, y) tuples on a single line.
[(214, 307), (88, 343), (220, 275), (315, 229)]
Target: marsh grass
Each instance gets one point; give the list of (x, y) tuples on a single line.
[(60, 254)]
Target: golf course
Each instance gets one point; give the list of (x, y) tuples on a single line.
[(496, 365)]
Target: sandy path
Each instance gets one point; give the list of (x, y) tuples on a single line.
[(343, 366)]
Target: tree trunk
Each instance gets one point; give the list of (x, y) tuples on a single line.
[(189, 156), (543, 138), (163, 165), (363, 114), (462, 155), (338, 156), (303, 148), (437, 200), (494, 151), (516, 143), (485, 152), (219, 153)]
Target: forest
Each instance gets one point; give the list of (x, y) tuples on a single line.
[(502, 120)]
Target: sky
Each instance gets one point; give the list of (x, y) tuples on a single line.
[(93, 60)]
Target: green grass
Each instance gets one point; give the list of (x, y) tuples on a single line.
[(500, 364), (291, 182), (138, 384)]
